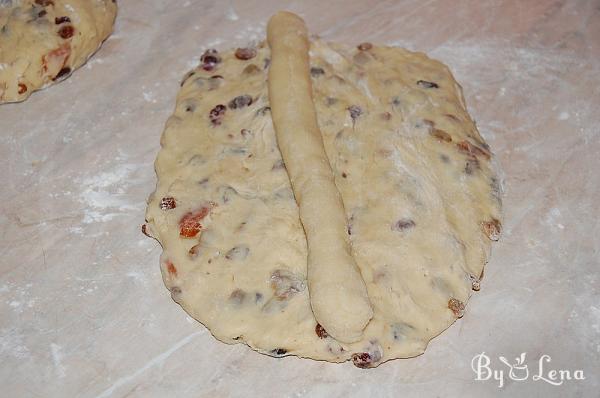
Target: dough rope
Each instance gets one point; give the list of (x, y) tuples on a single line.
[(338, 294)]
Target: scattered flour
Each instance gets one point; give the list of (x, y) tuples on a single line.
[(103, 195), (57, 358), (230, 14)]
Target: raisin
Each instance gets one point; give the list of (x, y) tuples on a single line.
[(251, 69), (355, 111), (194, 250), (237, 296), (402, 224), (475, 283), (240, 101), (60, 20), (278, 165), (216, 114), (321, 332), (66, 32), (63, 72), (471, 165), (186, 77), (473, 150), (210, 59), (278, 352), (441, 135), (492, 229), (362, 360), (457, 307), (167, 203), (426, 84), (258, 297), (316, 71), (245, 53), (344, 175), (189, 225), (22, 88), (285, 284), (145, 230), (263, 111), (364, 46), (238, 253), (175, 293)]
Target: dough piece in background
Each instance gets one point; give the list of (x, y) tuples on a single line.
[(416, 178), (43, 41)]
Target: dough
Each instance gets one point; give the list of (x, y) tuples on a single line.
[(43, 41), (419, 191), (337, 291)]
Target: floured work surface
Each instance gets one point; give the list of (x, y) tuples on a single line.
[(421, 198)]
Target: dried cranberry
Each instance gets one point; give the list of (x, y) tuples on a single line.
[(167, 203), (145, 230), (216, 114), (457, 307), (44, 3), (66, 32), (426, 84), (171, 268), (321, 332), (492, 229), (22, 88), (240, 101), (59, 20), (364, 46), (189, 225), (245, 53)]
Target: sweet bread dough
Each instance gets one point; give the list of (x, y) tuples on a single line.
[(43, 41), (420, 194)]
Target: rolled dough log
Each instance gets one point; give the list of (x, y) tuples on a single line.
[(338, 294)]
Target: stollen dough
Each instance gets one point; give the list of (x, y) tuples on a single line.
[(420, 194), (337, 291), (43, 41)]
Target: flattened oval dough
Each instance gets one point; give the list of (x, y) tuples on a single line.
[(338, 295), (415, 176), (44, 41)]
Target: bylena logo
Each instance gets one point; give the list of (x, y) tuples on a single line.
[(519, 370)]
